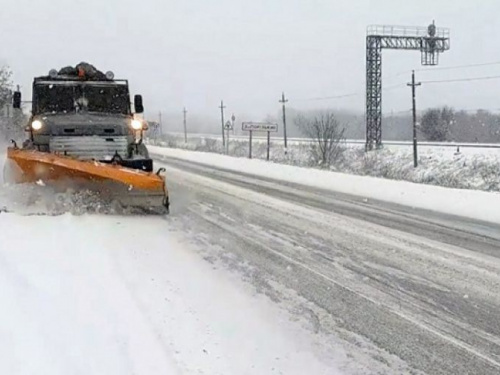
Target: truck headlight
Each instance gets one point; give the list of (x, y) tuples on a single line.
[(36, 125), (136, 124)]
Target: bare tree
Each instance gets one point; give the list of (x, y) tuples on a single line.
[(327, 135), (5, 86), (5, 97), (12, 120)]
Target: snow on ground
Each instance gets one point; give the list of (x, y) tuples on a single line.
[(474, 204), (470, 168), (124, 295), (443, 149)]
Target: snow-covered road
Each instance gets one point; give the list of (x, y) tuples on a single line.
[(402, 289), (117, 295), (251, 275)]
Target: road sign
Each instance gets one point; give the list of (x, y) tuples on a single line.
[(228, 125), (259, 127)]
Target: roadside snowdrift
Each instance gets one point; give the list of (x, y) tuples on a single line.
[(470, 168), (114, 295), (468, 203)]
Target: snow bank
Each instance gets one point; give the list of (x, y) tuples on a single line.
[(115, 295), (470, 168), (473, 204)]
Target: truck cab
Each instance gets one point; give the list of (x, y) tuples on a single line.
[(83, 113)]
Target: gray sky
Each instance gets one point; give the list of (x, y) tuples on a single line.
[(193, 53)]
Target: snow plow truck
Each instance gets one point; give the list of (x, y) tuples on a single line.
[(83, 134)]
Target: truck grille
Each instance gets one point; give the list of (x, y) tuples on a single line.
[(92, 147)]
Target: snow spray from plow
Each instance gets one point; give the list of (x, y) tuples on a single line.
[(128, 187)]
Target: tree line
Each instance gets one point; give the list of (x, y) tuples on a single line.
[(434, 124), (446, 124), (443, 124)]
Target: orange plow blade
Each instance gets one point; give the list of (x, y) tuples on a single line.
[(129, 186)]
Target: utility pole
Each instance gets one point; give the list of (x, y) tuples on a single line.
[(222, 122), (283, 101), (160, 126), (185, 126), (228, 128), (414, 101)]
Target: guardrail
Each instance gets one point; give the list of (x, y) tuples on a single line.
[(348, 141)]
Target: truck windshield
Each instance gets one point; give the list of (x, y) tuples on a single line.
[(57, 98)]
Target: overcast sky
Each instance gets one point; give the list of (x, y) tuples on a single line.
[(194, 53)]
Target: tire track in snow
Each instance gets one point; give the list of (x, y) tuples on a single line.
[(212, 189)]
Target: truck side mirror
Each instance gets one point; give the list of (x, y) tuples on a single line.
[(16, 100), (139, 107)]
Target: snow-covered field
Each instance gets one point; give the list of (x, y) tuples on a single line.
[(444, 149), (474, 204), (470, 168)]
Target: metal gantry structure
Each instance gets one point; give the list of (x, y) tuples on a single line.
[(430, 41)]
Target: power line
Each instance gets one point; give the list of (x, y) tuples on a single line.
[(455, 67), (464, 79), (459, 66), (359, 93), (393, 87), (332, 97), (400, 85)]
